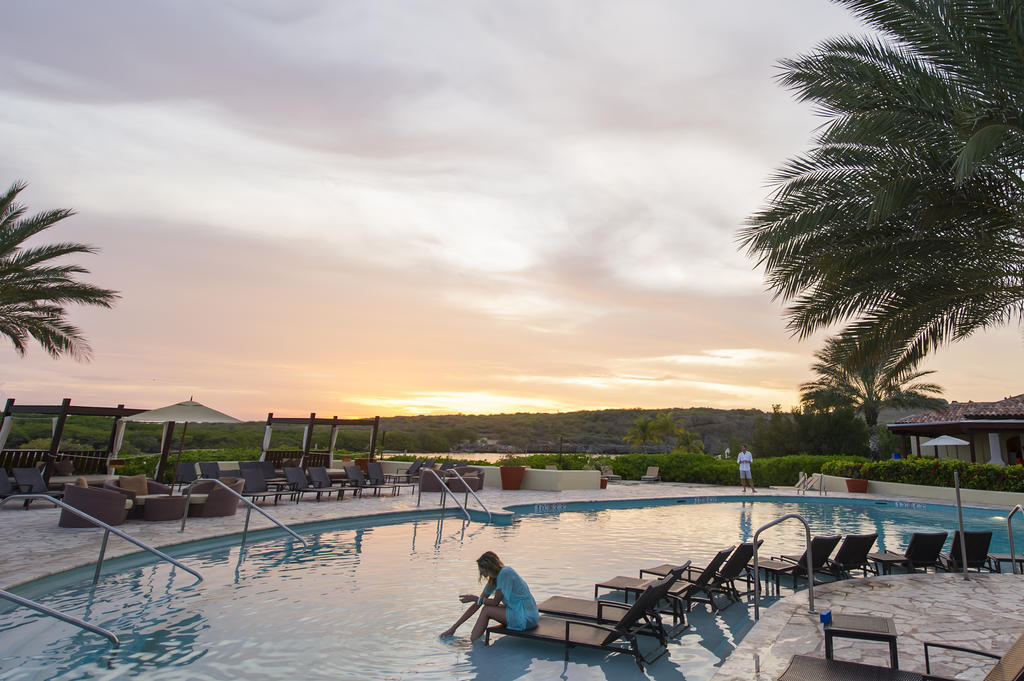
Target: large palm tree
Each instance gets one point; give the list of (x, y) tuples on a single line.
[(867, 378), (34, 289), (904, 222)]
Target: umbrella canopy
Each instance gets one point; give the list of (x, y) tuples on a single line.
[(945, 441), (183, 412)]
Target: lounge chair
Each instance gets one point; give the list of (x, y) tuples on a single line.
[(1010, 666), (609, 611), (447, 465), (210, 500), (922, 552), (852, 555), (103, 504), (358, 480), (736, 568), (619, 638), (6, 489), (300, 485), (606, 472), (412, 473), (256, 487), (976, 543), (30, 481), (689, 593), (185, 473), (209, 469), (651, 475), (320, 478), (821, 548), (376, 477)]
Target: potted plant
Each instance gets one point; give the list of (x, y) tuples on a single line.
[(854, 481), (511, 472)]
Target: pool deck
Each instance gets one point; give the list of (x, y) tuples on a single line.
[(986, 611)]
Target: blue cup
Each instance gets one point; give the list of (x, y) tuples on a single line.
[(825, 616)]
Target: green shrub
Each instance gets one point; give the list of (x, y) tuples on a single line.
[(918, 470), (703, 468)]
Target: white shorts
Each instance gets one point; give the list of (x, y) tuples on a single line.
[(745, 474)]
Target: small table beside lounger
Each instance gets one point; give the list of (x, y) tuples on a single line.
[(865, 628)]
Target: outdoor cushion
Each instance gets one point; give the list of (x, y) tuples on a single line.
[(133, 483)]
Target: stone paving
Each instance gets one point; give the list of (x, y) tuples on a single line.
[(987, 611)]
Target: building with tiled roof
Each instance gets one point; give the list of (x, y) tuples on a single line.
[(993, 431)]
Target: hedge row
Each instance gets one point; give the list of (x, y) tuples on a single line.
[(917, 470), (702, 468)]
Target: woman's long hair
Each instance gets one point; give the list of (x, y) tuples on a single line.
[(490, 565)]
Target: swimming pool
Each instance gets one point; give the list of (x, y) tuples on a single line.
[(369, 602)]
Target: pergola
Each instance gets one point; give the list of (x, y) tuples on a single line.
[(87, 461), (304, 455)]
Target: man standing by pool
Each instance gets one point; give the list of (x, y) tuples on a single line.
[(744, 459)]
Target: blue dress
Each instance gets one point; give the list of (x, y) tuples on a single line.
[(520, 608)]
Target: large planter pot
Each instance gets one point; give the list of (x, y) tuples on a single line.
[(512, 476), (856, 485)]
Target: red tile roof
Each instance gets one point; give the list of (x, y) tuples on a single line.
[(1009, 408)]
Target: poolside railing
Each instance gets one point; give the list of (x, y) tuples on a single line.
[(1009, 531), (248, 513), (447, 490), (106, 534), (807, 555)]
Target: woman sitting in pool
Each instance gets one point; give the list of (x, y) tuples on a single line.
[(505, 599)]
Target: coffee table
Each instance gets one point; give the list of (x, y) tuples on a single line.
[(164, 508)]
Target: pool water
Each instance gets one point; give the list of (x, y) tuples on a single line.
[(370, 602)]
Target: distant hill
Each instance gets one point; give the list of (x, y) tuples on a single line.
[(579, 431)]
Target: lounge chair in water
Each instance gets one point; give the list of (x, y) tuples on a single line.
[(1009, 667), (698, 589), (652, 475), (736, 568), (603, 611), (977, 544), (796, 566), (852, 555), (922, 552), (618, 637)]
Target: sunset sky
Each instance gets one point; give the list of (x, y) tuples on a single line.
[(384, 207)]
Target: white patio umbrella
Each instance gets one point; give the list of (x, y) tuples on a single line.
[(183, 412), (945, 441)]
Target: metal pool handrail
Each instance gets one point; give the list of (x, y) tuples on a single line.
[(106, 534), (807, 553), (1009, 531), (470, 491), (70, 619), (444, 488), (248, 513)]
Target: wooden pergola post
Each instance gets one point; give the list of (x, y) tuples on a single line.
[(373, 437)]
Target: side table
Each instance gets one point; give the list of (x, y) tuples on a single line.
[(866, 628)]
